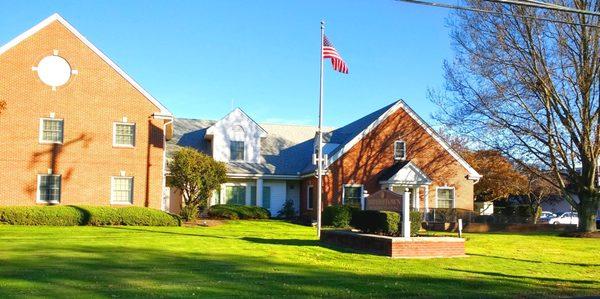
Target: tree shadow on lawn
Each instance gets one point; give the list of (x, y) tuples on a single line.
[(535, 262), (502, 275), (62, 270)]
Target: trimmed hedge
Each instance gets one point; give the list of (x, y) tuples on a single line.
[(86, 215), (234, 212), (337, 215), (415, 222), (377, 222)]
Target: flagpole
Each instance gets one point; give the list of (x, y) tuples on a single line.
[(320, 141)]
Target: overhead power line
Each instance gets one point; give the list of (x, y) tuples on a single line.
[(466, 8), (544, 5)]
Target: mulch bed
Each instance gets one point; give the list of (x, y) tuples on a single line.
[(204, 222), (581, 234)]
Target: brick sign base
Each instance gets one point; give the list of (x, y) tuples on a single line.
[(396, 247)]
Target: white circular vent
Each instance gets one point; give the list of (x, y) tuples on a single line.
[(54, 71)]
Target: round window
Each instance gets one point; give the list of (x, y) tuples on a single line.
[(54, 71)]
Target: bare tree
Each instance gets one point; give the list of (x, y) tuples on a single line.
[(531, 89), (537, 190)]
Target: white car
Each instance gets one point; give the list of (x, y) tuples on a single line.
[(565, 218)]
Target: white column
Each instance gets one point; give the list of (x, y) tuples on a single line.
[(426, 198), (259, 192), (417, 200), (406, 214)]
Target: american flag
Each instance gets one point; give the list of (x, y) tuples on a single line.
[(337, 62)]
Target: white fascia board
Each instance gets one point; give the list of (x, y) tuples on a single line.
[(264, 176), (473, 174), (210, 130), (57, 17)]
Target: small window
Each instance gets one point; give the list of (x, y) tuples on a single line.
[(399, 150), (352, 196), (51, 130), (445, 198), (310, 198), (122, 190), (236, 150), (235, 195), (124, 135), (49, 188)]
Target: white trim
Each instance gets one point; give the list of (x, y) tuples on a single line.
[(37, 196), (446, 188), (307, 197), (362, 194), (473, 175), (41, 131), (115, 144), (112, 189), (269, 176), (418, 170), (56, 17), (404, 151)]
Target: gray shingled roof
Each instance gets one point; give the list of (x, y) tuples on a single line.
[(287, 149)]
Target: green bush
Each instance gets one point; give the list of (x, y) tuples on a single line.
[(86, 215), (384, 222), (56, 216), (238, 212), (415, 222), (337, 215), (287, 211)]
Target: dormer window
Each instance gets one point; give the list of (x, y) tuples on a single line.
[(399, 150), (236, 150)]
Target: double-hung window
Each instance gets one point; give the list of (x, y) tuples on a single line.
[(445, 197), (353, 195), (399, 150), (48, 188), (122, 190), (236, 150), (235, 195), (51, 130), (124, 134)]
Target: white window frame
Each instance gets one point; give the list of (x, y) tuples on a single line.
[(115, 144), (41, 131), (243, 150), (395, 148), (362, 194), (112, 190), (446, 188), (308, 192), (37, 196)]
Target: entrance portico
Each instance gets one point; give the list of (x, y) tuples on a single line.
[(404, 177)]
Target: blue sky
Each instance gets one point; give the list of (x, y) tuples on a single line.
[(199, 57)]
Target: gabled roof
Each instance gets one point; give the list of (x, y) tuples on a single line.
[(262, 131), (163, 111), (404, 172), (352, 133)]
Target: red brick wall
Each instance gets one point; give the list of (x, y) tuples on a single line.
[(89, 104), (365, 161)]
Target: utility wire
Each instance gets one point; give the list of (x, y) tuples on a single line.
[(550, 6), (458, 7)]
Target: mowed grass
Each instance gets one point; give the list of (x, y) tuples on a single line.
[(262, 258)]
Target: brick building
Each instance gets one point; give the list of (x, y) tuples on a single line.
[(76, 128)]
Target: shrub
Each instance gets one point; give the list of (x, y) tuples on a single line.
[(287, 211), (84, 215), (384, 222), (337, 215), (238, 212), (56, 216), (415, 222), (129, 216)]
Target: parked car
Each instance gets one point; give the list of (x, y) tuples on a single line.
[(546, 216), (565, 218)]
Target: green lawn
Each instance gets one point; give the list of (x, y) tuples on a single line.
[(276, 258)]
